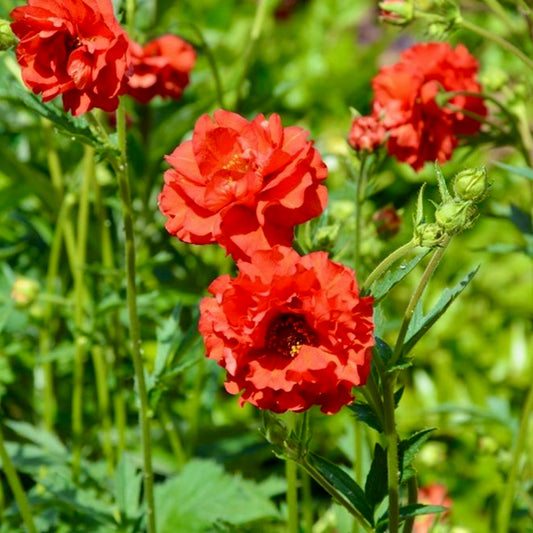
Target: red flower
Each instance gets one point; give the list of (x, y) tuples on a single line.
[(161, 68), (435, 494), (388, 222), (242, 184), (75, 48), (406, 101), (290, 331), (367, 133)]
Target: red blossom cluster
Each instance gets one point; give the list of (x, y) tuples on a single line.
[(290, 331), (79, 50), (411, 111)]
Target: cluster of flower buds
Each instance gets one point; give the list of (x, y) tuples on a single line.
[(440, 15), (456, 212), (7, 37)]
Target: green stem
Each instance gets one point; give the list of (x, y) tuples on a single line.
[(386, 264), (79, 300), (391, 437), (16, 487), (424, 280), (482, 32), (412, 498), (121, 169), (360, 193), (307, 501), (212, 64), (113, 329), (45, 337), (255, 33), (504, 512), (102, 393), (291, 476), (172, 434)]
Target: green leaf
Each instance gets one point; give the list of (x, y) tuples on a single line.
[(203, 494), (409, 447), (525, 172), (393, 277), (174, 353), (39, 436), (409, 511), (521, 220), (344, 484), (127, 487), (364, 413), (420, 324), (376, 480)]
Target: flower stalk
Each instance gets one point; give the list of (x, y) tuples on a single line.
[(121, 169)]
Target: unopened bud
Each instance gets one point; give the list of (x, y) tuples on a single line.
[(455, 216), (24, 291), (388, 222), (275, 430), (327, 235), (429, 234), (471, 184), (399, 12), (7, 37)]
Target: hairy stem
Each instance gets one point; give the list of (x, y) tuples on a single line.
[(121, 170)]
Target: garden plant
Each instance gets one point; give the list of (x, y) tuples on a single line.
[(266, 266)]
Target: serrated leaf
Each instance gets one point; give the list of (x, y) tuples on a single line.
[(39, 436), (12, 91), (409, 447), (203, 494), (409, 511), (525, 172), (393, 277), (421, 323), (376, 480), (344, 484), (364, 413)]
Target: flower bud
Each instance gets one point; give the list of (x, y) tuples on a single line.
[(429, 234), (471, 184), (327, 235), (397, 12), (388, 222), (455, 216), (24, 291), (7, 37)]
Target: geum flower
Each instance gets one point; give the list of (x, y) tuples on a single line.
[(242, 184), (75, 48), (435, 494), (291, 331), (160, 68), (406, 102)]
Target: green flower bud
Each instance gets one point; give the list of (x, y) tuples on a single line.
[(275, 431), (327, 235), (7, 37), (471, 184), (455, 216), (397, 12), (24, 291), (429, 234)]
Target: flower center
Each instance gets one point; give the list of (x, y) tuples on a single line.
[(287, 333), (237, 164)]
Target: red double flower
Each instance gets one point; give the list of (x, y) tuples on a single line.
[(160, 68), (242, 184), (76, 49), (291, 331), (415, 105)]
